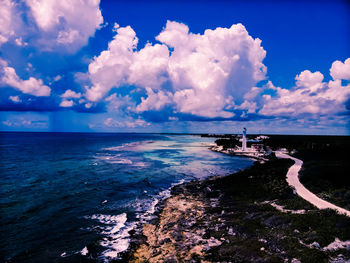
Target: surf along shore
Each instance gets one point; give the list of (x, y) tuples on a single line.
[(249, 216)]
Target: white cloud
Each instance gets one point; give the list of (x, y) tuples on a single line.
[(154, 101), (111, 67), (121, 64), (250, 106), (149, 67), (33, 86), (25, 122), (131, 123), (307, 79), (19, 42), (66, 22), (198, 76), (340, 70), (119, 103), (49, 23), (7, 19), (70, 94), (7, 123), (15, 99), (210, 75), (66, 103), (67, 37), (57, 78), (206, 69), (311, 96), (88, 105), (17, 123)]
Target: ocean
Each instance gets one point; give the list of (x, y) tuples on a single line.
[(69, 196)]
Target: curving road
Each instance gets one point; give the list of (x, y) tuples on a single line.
[(293, 180)]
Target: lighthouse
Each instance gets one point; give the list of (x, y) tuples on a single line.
[(244, 140)]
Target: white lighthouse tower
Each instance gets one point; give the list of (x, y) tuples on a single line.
[(244, 140)]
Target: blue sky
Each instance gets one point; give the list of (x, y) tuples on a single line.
[(175, 66)]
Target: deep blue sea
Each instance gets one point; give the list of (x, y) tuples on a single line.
[(63, 193)]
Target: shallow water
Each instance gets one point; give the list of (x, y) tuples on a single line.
[(62, 192)]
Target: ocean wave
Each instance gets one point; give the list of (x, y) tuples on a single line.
[(115, 228), (116, 237), (149, 207), (110, 219)]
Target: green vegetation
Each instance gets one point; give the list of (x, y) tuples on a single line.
[(258, 225), (326, 167), (227, 143)]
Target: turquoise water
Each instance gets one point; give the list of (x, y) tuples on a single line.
[(73, 196)]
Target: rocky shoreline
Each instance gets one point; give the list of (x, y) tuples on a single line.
[(249, 216)]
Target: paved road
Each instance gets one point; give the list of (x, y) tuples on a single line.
[(293, 180)]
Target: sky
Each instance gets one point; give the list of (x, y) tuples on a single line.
[(276, 67)]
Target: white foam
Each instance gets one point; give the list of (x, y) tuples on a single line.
[(116, 229), (151, 208), (116, 233), (117, 240), (84, 251), (110, 219)]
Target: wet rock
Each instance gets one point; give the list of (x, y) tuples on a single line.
[(315, 245)]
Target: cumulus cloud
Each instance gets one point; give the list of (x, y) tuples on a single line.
[(22, 122), (210, 75), (70, 94), (66, 103), (49, 24), (7, 15), (32, 86), (154, 101), (66, 22), (15, 99), (198, 74), (119, 103), (19, 42), (121, 65), (110, 122), (111, 67), (310, 97), (207, 69), (340, 70)]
